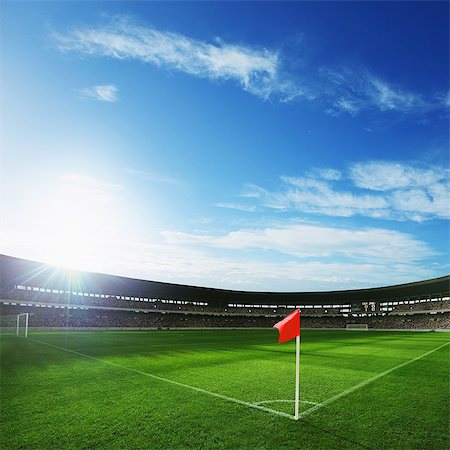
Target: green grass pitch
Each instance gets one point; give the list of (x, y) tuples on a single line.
[(53, 398)]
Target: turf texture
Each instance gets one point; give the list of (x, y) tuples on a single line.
[(98, 394)]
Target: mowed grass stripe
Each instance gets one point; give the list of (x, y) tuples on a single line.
[(59, 399), (256, 405), (366, 382), (176, 383)]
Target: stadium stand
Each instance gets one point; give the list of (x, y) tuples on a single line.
[(57, 298)]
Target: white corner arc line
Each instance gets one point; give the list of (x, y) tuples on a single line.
[(285, 401), (176, 383), (366, 382)]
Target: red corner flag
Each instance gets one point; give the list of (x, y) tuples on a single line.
[(289, 327)]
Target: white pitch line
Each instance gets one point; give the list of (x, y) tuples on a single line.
[(365, 383), (241, 402), (176, 383), (285, 401)]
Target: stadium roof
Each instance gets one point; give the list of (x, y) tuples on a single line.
[(16, 271)]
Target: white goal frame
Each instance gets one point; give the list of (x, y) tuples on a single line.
[(357, 327), (18, 323)]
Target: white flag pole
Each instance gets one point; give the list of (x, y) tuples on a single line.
[(297, 374)]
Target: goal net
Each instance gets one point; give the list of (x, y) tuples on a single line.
[(15, 323), (357, 326)]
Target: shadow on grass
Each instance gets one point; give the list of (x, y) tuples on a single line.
[(200, 349), (334, 433)]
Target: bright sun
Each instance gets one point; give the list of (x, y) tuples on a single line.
[(79, 220)]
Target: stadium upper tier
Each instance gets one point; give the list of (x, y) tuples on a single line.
[(20, 272)]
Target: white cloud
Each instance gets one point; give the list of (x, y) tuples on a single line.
[(253, 191), (257, 70), (318, 196), (82, 222), (180, 264), (432, 201), (325, 173), (350, 106), (236, 206), (103, 93), (352, 90), (417, 192), (400, 192), (306, 241), (264, 72), (387, 175), (199, 267), (387, 97)]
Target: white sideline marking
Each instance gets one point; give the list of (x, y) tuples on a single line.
[(364, 383), (214, 394), (286, 401)]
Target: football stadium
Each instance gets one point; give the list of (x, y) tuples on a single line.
[(98, 361), (224, 225)]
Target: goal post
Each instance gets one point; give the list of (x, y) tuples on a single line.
[(22, 320), (357, 326), (15, 323)]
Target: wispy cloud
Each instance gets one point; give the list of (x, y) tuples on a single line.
[(203, 266), (263, 72), (251, 190), (399, 191), (81, 224), (325, 173), (306, 241), (348, 105), (103, 93), (352, 90), (317, 196), (237, 206), (257, 70), (417, 192), (387, 175), (178, 263)]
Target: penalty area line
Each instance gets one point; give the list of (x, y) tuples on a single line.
[(365, 383), (167, 380)]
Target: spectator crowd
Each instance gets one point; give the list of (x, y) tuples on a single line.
[(65, 317)]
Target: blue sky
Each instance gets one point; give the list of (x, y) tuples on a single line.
[(243, 145)]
